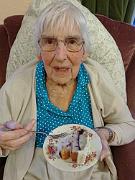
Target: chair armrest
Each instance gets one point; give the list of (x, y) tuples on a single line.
[(2, 165), (124, 159)]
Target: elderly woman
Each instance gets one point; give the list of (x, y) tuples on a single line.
[(62, 88)]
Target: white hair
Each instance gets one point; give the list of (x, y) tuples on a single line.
[(58, 15)]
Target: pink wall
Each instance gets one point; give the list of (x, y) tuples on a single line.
[(12, 7)]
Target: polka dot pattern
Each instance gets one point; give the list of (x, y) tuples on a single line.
[(50, 117)]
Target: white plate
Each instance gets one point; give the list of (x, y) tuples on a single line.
[(51, 149)]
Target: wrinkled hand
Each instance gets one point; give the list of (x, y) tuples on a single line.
[(104, 136), (16, 136)]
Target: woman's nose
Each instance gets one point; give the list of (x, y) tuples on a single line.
[(61, 51)]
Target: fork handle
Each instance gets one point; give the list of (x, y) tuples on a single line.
[(39, 132)]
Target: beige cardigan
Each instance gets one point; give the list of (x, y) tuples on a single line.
[(18, 102)]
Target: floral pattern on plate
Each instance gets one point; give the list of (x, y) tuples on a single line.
[(77, 151)]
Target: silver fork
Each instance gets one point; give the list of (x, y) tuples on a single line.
[(55, 136)]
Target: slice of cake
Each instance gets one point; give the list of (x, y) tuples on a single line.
[(82, 154), (75, 147)]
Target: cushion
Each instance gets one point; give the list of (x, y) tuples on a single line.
[(104, 49)]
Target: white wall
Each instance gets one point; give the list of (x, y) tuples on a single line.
[(12, 7)]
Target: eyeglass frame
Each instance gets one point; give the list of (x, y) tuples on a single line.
[(64, 42)]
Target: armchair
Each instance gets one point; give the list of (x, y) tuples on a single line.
[(124, 35)]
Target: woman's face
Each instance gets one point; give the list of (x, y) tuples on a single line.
[(61, 65)]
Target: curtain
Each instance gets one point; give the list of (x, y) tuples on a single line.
[(121, 10)]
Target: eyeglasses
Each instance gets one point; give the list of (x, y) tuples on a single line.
[(73, 44)]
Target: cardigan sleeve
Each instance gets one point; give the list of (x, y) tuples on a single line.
[(11, 103), (5, 106), (5, 114), (17, 97)]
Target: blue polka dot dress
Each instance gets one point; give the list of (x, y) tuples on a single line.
[(50, 117)]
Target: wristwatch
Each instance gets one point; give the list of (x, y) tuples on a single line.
[(111, 133)]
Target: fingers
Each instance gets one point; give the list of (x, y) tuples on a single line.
[(104, 135), (16, 133), (12, 125), (30, 125), (16, 143), (17, 136), (13, 134), (105, 150), (15, 125)]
